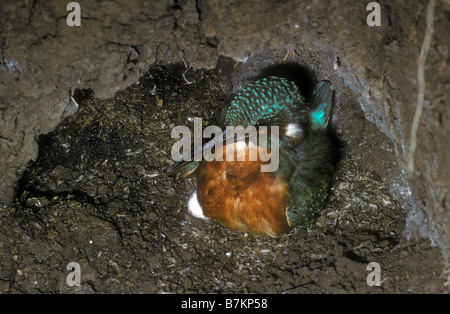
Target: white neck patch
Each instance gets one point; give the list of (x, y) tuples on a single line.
[(294, 130), (194, 207)]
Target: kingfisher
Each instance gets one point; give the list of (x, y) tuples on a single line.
[(237, 193)]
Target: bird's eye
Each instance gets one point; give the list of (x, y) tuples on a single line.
[(268, 121), (260, 123)]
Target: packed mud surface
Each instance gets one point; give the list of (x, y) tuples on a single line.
[(99, 195)]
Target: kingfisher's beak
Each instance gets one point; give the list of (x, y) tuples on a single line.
[(197, 153)]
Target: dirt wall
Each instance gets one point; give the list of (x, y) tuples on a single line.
[(43, 61)]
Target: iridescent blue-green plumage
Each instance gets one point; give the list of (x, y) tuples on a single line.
[(270, 99), (306, 162), (321, 103)]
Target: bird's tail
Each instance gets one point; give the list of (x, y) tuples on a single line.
[(321, 104)]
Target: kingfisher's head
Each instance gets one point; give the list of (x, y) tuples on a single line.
[(264, 104)]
